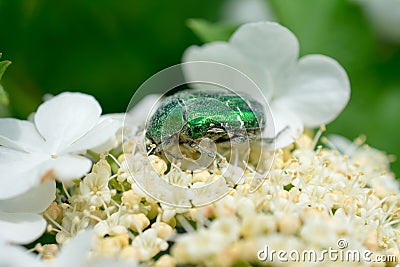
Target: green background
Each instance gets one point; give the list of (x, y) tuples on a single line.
[(108, 48)]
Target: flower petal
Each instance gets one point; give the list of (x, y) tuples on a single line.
[(65, 118), (20, 135), (35, 200), (97, 136), (139, 113), (70, 167), (317, 92), (269, 44), (288, 126), (21, 228), (341, 144), (75, 252), (15, 256), (20, 171), (224, 53)]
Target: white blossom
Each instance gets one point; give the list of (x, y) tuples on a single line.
[(311, 199), (309, 91), (20, 221), (64, 127), (74, 253), (148, 244), (95, 185)]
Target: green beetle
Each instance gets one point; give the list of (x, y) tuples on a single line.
[(194, 114)]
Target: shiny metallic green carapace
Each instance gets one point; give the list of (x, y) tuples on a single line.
[(194, 114)]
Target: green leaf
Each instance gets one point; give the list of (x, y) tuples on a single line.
[(210, 32), (3, 95), (3, 66)]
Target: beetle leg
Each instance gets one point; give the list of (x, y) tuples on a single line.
[(241, 139), (189, 147), (209, 153), (198, 148), (164, 144), (173, 156), (171, 147), (237, 139)]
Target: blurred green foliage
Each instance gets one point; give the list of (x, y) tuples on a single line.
[(4, 101), (210, 32), (108, 48), (105, 48)]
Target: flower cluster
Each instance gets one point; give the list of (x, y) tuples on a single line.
[(68, 174), (311, 199)]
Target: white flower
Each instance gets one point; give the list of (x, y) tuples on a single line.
[(73, 222), (306, 92), (64, 127), (199, 246), (19, 219), (148, 244), (74, 253), (135, 222), (361, 154), (136, 117), (112, 226), (94, 186), (376, 164), (13, 256)]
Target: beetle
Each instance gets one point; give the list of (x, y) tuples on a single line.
[(191, 115)]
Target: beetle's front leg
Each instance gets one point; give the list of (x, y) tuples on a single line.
[(165, 144), (203, 150)]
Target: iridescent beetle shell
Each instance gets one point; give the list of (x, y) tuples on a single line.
[(194, 114)]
